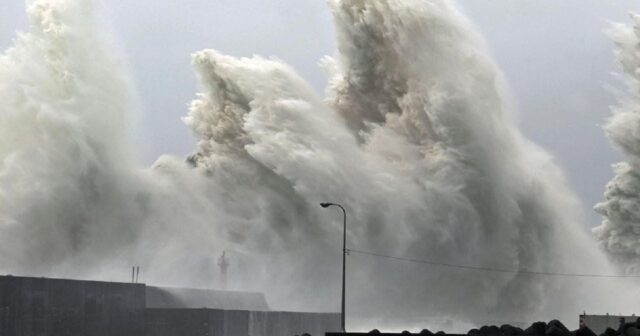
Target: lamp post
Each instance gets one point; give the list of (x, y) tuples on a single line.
[(344, 254)]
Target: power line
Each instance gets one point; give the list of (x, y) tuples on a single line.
[(492, 269)]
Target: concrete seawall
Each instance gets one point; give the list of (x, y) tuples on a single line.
[(42, 307)]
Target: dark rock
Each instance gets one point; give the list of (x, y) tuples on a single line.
[(374, 331), (538, 329), (555, 328), (632, 330), (555, 331), (509, 330), (610, 332), (623, 326), (405, 332), (557, 324), (490, 331), (426, 332), (585, 331), (473, 332)]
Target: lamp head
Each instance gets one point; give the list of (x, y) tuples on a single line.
[(326, 205)]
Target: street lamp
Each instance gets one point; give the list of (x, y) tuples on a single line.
[(344, 254)]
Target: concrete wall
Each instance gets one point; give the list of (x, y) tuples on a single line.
[(58, 307), (292, 323), (214, 322), (39, 306), (600, 323), (173, 297)]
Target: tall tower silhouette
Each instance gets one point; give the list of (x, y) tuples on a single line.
[(223, 263)]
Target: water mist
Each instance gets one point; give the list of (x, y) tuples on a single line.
[(415, 137)]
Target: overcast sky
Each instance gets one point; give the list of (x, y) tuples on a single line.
[(554, 54)]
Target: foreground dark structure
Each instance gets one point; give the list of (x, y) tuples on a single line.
[(40, 306), (552, 328)]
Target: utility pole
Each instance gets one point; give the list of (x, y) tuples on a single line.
[(344, 260)]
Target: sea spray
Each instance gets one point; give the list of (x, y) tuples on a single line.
[(619, 233), (414, 138), (434, 168), (64, 153)]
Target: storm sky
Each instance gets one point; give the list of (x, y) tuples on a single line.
[(557, 60)]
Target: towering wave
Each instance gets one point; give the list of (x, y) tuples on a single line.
[(619, 233), (428, 162), (414, 138), (64, 150), (416, 84)]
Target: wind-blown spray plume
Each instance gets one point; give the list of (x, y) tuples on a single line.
[(433, 168), (619, 233), (414, 138), (63, 144)]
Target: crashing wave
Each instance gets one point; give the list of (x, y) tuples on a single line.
[(414, 138), (619, 233)]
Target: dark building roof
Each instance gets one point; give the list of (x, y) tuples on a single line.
[(173, 297)]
